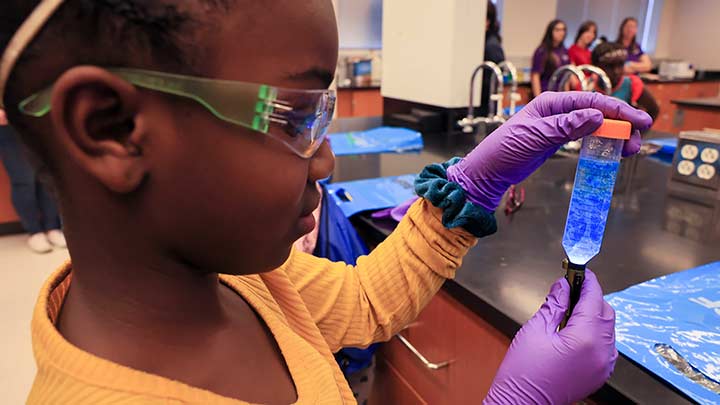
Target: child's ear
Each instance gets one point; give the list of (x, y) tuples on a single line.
[(96, 118)]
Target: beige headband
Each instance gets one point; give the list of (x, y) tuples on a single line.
[(616, 54), (22, 38)]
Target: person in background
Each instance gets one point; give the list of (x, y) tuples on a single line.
[(493, 53), (579, 52), (611, 57), (550, 55), (33, 204), (637, 60)]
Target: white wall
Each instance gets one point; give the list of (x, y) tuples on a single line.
[(690, 30), (523, 25), (430, 48), (359, 23), (666, 30)]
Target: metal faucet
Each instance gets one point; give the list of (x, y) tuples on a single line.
[(496, 87), (514, 95), (562, 75), (604, 79)]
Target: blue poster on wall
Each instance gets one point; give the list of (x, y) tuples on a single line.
[(671, 326), (378, 140), (372, 194)]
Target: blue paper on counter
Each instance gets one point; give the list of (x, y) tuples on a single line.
[(667, 145), (518, 107), (681, 310), (372, 194), (378, 140)]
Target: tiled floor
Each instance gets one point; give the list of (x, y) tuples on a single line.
[(22, 273)]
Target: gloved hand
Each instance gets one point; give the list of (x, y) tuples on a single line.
[(521, 145), (396, 213), (544, 366)]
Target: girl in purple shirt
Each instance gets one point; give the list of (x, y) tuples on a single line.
[(637, 60), (550, 55)]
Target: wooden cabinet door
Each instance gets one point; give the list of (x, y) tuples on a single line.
[(432, 335), (445, 330), (344, 103), (480, 350), (7, 212), (696, 119), (664, 93), (367, 103), (705, 89), (392, 388)]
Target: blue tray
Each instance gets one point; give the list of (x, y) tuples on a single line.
[(667, 145), (378, 140), (373, 194), (518, 107), (681, 310)]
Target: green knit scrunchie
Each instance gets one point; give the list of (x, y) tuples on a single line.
[(432, 184)]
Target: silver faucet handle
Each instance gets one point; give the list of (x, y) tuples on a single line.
[(465, 121), (467, 124)]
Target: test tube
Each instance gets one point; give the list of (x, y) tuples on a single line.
[(590, 202)]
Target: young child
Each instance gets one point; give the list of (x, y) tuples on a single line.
[(183, 184), (611, 57), (33, 203)]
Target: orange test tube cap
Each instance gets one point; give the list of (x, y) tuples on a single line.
[(614, 129)]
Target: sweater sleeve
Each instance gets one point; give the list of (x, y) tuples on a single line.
[(636, 88), (355, 306)]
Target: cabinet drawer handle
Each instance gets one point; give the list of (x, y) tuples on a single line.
[(428, 364)]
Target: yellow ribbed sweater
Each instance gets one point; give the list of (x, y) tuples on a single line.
[(312, 307)]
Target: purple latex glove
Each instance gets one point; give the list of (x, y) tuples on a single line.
[(544, 366), (516, 149), (396, 213)]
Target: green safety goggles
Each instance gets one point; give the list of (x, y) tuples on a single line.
[(297, 118)]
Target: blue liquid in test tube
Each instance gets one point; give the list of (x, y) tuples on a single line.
[(589, 207), (592, 194), (590, 203)]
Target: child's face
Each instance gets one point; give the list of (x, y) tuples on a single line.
[(213, 195), (588, 36), (231, 197), (630, 29)]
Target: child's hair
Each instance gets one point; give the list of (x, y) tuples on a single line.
[(608, 52), (129, 33)]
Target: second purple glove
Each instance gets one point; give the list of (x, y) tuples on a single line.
[(518, 148), (396, 213), (544, 366)]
